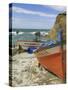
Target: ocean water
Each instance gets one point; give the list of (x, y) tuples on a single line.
[(29, 30), (22, 37), (14, 38), (23, 34)]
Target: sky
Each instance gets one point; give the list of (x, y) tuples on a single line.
[(33, 16)]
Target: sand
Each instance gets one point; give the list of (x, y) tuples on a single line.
[(25, 71)]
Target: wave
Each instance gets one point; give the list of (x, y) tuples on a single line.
[(15, 33), (12, 33), (44, 33), (20, 33)]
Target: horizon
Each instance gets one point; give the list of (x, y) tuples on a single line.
[(28, 30)]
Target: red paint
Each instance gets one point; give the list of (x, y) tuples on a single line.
[(54, 63)]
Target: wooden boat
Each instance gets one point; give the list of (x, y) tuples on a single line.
[(53, 59), (26, 43)]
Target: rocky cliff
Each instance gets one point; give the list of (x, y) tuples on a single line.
[(60, 24)]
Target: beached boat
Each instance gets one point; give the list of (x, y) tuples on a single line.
[(27, 43), (53, 59)]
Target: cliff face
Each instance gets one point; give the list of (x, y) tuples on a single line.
[(60, 24)]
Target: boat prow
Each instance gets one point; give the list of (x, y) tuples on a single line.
[(53, 59)]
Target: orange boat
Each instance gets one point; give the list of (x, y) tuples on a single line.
[(53, 59)]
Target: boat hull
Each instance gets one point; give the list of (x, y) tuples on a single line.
[(55, 63)]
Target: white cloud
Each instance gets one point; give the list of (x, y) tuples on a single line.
[(18, 22), (22, 10), (59, 8)]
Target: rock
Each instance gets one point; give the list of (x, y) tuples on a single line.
[(20, 49), (60, 24)]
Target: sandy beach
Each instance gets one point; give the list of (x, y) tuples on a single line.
[(26, 72)]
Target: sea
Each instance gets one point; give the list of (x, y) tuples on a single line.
[(23, 34)]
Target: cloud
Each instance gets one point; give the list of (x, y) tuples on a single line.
[(18, 22), (25, 11), (58, 8)]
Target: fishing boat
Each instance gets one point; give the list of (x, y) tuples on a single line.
[(53, 59)]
